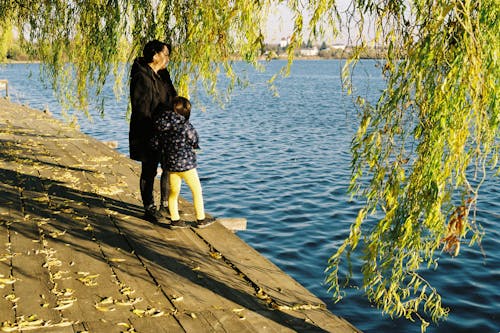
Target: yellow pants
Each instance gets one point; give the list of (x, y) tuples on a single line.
[(193, 181)]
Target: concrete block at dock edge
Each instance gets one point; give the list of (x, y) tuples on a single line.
[(4, 85), (233, 223)]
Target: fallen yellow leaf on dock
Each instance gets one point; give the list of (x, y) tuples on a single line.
[(89, 280), (12, 298), (104, 308), (138, 312), (129, 302), (158, 313), (117, 260), (238, 310), (56, 234), (215, 255), (7, 281), (106, 301), (63, 306), (126, 291), (152, 312)]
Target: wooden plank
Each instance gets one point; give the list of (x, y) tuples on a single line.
[(274, 282), (79, 327), (10, 206), (80, 257), (88, 274), (102, 325), (163, 324), (32, 287), (88, 305), (31, 291), (201, 283), (83, 279), (242, 320), (103, 232), (135, 278), (7, 312), (47, 297), (329, 322)]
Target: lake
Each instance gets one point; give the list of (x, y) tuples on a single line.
[(283, 163)]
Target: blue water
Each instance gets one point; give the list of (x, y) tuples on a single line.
[(283, 163)]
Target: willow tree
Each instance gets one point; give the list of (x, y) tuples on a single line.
[(424, 148), (81, 42), (421, 151)]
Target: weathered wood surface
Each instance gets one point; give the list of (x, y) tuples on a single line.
[(76, 255)]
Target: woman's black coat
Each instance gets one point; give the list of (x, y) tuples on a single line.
[(148, 90)]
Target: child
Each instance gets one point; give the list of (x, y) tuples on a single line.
[(177, 139)]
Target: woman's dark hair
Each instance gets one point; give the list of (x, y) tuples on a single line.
[(182, 106), (153, 47)]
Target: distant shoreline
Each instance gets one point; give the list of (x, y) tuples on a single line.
[(20, 62), (8, 62)]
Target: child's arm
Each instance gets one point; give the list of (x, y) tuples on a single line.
[(192, 136)]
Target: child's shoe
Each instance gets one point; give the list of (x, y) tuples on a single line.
[(205, 222), (178, 224)]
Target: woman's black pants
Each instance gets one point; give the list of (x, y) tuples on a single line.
[(148, 174)]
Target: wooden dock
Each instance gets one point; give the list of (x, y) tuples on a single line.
[(76, 255)]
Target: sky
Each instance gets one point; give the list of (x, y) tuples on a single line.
[(280, 25)]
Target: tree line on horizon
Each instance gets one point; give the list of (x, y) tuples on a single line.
[(15, 52)]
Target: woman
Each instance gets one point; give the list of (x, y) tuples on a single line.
[(150, 86)]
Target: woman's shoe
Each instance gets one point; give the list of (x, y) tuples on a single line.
[(164, 211), (152, 215)]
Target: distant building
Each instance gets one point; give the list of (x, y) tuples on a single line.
[(309, 52), (338, 46), (284, 42)]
